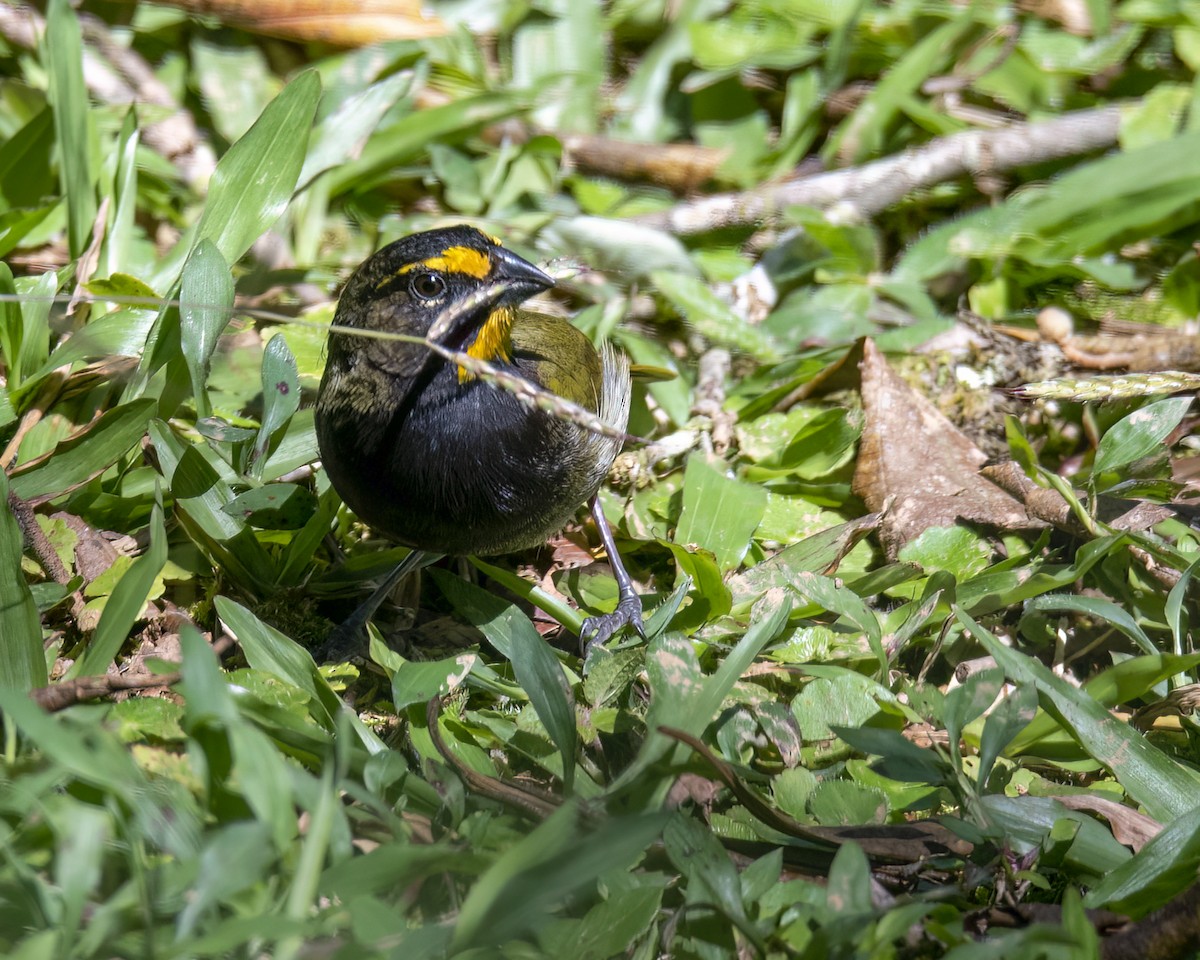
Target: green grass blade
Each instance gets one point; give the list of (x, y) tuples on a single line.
[(534, 664), (69, 98), (1153, 779), (205, 301), (22, 662), (88, 454), (125, 605)]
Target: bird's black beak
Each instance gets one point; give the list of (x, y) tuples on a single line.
[(521, 276)]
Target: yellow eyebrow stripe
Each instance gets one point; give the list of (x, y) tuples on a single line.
[(455, 260)]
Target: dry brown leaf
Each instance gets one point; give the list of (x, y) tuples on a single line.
[(343, 23), (1129, 827), (916, 459)]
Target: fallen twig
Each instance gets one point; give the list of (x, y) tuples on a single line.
[(900, 843), (537, 805), (861, 192), (67, 693)]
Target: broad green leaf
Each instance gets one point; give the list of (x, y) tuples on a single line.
[(834, 597), (296, 448), (1013, 714), (22, 660), (235, 81), (254, 180), (843, 803), (710, 874), (235, 858), (15, 225), (961, 551), (1165, 788), (966, 702), (863, 133), (31, 332), (269, 650), (121, 333), (387, 866), (275, 506), (420, 681), (839, 697), (1175, 610), (710, 597), (297, 555), (1139, 434), (1025, 822), (200, 494), (719, 513), (849, 886), (205, 301), (281, 390), (117, 250), (682, 697), (25, 167), (899, 758), (1096, 202), (78, 864), (79, 746), (995, 589), (1119, 684), (609, 929), (814, 554)]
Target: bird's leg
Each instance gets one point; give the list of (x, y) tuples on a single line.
[(596, 630), (347, 637)]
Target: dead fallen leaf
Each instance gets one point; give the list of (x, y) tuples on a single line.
[(343, 23), (914, 457), (1129, 827)]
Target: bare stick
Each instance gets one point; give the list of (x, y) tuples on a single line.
[(861, 192)]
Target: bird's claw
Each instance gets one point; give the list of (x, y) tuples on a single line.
[(596, 630)]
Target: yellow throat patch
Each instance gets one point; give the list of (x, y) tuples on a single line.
[(462, 260), (493, 342)]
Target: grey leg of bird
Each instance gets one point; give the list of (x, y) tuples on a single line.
[(348, 638), (596, 630)]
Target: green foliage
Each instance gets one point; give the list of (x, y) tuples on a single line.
[(161, 335)]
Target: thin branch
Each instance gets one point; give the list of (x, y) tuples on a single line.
[(861, 192), (67, 693)]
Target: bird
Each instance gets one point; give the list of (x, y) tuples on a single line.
[(437, 458)]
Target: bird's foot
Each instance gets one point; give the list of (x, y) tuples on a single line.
[(349, 638), (596, 630)]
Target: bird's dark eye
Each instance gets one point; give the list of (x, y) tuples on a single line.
[(427, 286)]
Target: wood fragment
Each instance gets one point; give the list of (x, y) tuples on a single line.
[(343, 23), (861, 192), (902, 843)]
